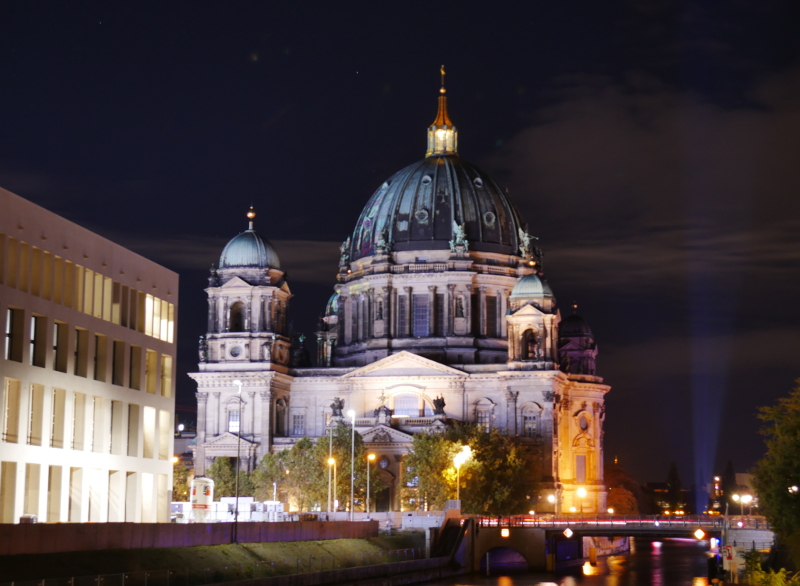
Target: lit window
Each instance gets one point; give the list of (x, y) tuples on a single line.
[(298, 424), (233, 420)]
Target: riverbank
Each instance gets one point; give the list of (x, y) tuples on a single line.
[(219, 563)]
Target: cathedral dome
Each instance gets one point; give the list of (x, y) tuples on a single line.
[(531, 287), (417, 207), (574, 326), (249, 250)]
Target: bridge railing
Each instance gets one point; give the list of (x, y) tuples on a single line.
[(654, 522)]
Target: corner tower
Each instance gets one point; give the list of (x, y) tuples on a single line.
[(242, 386)]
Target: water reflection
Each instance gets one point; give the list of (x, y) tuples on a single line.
[(669, 562)]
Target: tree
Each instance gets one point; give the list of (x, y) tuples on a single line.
[(180, 483), (342, 452), (616, 477), (622, 501), (498, 479), (270, 472), (221, 472), (778, 472)]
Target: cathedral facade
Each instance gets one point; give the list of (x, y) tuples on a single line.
[(440, 312)]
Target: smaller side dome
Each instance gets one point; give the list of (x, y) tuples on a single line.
[(531, 287), (332, 308), (249, 250), (574, 326)]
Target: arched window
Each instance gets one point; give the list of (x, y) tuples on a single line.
[(484, 409), (237, 317), (411, 405), (530, 346), (531, 418)]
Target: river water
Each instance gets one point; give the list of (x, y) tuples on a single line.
[(671, 562)]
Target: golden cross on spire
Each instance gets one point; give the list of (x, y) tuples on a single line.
[(441, 70)]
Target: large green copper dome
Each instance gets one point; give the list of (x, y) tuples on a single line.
[(249, 250)]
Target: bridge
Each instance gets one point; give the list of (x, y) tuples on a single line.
[(548, 541)]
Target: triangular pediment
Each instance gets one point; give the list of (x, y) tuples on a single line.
[(526, 310), (383, 434), (227, 439), (236, 282), (404, 364)]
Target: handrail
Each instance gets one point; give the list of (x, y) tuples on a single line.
[(622, 521)]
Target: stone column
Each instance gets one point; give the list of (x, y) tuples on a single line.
[(212, 323), (391, 308), (409, 325), (200, 452), (432, 310), (482, 310), (511, 412), (266, 412), (449, 310), (252, 423), (217, 414)]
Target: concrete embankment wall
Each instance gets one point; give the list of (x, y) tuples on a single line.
[(65, 537), (606, 545), (410, 572)]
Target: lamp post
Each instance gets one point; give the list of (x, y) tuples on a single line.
[(330, 459), (370, 458), (352, 415), (739, 500), (331, 466), (458, 461), (581, 495), (238, 383)]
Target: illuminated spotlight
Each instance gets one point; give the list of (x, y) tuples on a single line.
[(551, 498), (657, 524), (572, 509), (699, 534), (714, 542), (504, 532), (610, 511), (740, 524), (567, 532), (588, 569), (531, 512), (657, 544)]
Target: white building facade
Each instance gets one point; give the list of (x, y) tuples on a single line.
[(88, 355), (440, 312)]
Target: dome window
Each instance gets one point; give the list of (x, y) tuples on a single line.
[(426, 180), (489, 218), (478, 182), (421, 216)]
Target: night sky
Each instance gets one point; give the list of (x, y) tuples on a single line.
[(653, 146)]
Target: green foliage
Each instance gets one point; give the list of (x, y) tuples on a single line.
[(221, 472), (180, 483), (616, 477), (302, 473), (755, 575), (779, 469), (498, 479), (271, 469), (622, 501)]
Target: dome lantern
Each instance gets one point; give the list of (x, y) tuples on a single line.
[(442, 135)]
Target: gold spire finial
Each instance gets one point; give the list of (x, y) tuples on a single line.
[(251, 213), (442, 136)]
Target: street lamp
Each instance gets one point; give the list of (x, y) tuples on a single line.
[(370, 458), (581, 495), (331, 465), (458, 461), (238, 383), (352, 415)]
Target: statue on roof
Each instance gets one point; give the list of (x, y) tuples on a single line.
[(459, 242)]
